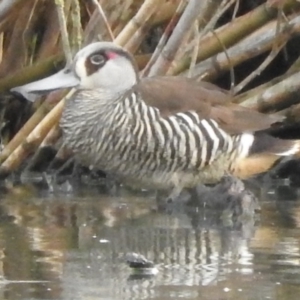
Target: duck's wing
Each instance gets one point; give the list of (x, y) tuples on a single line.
[(172, 95)]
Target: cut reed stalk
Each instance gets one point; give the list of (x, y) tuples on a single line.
[(233, 32)]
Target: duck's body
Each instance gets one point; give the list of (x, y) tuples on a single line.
[(126, 145), (158, 132)]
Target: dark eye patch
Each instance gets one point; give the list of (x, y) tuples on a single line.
[(94, 62), (108, 54)]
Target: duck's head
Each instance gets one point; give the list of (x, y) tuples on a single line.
[(101, 65)]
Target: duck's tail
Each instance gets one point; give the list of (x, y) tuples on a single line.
[(264, 152)]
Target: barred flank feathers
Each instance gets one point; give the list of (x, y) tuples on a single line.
[(190, 141)]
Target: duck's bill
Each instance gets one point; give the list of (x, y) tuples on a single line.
[(61, 80)]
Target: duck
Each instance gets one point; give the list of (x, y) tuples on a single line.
[(162, 132)]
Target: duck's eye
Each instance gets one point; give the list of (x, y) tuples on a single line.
[(97, 59)]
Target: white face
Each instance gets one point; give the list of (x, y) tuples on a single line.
[(104, 66)]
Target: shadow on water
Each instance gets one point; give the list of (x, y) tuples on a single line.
[(72, 246)]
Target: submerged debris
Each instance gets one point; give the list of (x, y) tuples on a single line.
[(140, 265)]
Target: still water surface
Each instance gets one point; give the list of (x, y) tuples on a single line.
[(72, 246)]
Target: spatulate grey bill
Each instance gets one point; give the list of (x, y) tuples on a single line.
[(63, 79), (161, 132)]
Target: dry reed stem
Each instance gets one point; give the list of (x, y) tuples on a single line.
[(30, 73), (8, 6), (23, 132), (15, 56), (260, 68), (29, 126), (165, 36), (253, 45), (232, 32), (294, 67), (146, 11), (63, 30), (135, 41), (117, 22), (28, 41), (34, 139), (163, 14), (168, 53), (167, 10), (50, 38), (196, 48), (259, 89), (276, 96), (45, 151), (76, 36), (51, 138), (213, 14), (94, 28), (292, 114), (1, 46), (120, 14), (102, 14), (62, 155), (279, 42), (142, 60)]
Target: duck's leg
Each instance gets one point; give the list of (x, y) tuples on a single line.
[(176, 198), (174, 195)]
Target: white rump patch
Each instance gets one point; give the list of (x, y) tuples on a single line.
[(246, 142)]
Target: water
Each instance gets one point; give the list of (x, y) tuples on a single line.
[(72, 246)]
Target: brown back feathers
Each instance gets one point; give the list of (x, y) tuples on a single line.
[(178, 94)]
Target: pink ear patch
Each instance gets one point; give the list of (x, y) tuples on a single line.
[(111, 55)]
